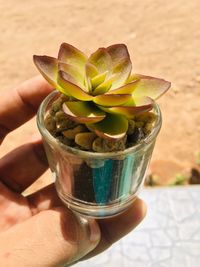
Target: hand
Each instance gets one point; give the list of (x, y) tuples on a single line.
[(38, 230)]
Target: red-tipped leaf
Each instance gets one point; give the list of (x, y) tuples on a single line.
[(73, 56), (150, 86), (48, 67), (118, 52), (101, 60), (121, 73)]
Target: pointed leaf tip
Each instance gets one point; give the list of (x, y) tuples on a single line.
[(48, 67), (121, 72), (101, 60), (73, 56), (150, 86), (118, 52)]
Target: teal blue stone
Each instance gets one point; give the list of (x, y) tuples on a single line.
[(126, 178), (102, 182)]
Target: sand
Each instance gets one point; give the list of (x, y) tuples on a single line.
[(163, 39)]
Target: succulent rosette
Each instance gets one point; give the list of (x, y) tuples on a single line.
[(102, 92)]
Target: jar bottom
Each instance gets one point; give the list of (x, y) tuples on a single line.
[(91, 210)]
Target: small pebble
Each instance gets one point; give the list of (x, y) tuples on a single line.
[(97, 144), (63, 122), (64, 140), (146, 117), (50, 124), (131, 127), (148, 127), (106, 145), (85, 140), (57, 104), (71, 133)]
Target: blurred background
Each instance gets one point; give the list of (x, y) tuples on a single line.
[(163, 39)]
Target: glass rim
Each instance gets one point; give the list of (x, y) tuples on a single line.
[(47, 136)]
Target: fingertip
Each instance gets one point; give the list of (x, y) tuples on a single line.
[(95, 233), (138, 210), (122, 224)]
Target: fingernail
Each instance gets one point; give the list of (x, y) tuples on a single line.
[(94, 231)]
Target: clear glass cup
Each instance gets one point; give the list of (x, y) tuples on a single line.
[(95, 184)]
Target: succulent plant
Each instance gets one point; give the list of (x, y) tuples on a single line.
[(102, 93)]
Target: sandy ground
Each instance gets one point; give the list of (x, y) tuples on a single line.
[(163, 39)]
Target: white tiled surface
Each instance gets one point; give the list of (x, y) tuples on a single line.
[(168, 237)]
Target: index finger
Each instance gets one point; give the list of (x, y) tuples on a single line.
[(20, 104)]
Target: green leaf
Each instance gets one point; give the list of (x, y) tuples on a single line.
[(121, 72), (125, 89), (73, 73), (112, 127), (98, 79), (91, 70), (71, 55), (112, 100), (150, 86), (101, 60), (138, 105), (121, 64), (83, 112), (103, 87), (71, 89)]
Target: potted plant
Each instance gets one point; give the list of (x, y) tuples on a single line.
[(99, 127)]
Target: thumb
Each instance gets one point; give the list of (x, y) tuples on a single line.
[(50, 238)]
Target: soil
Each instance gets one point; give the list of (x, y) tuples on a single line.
[(163, 40), (75, 134)]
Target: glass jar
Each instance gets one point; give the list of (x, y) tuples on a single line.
[(95, 184)]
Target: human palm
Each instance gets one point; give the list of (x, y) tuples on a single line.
[(38, 230)]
